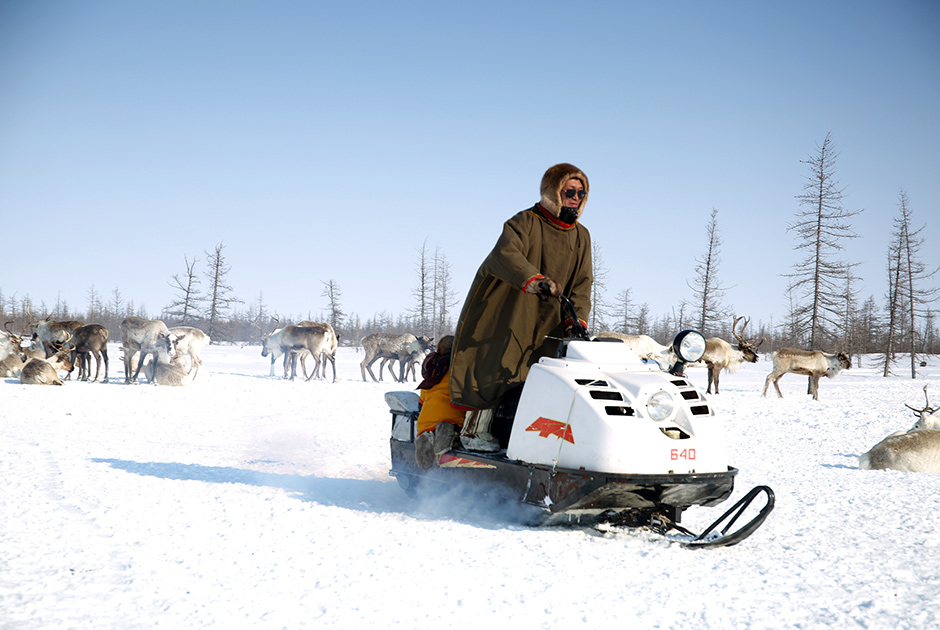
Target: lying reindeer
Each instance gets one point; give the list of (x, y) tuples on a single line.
[(914, 450), (645, 347), (45, 371)]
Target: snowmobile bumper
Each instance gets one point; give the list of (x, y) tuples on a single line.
[(565, 490)]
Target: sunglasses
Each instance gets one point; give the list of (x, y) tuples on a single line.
[(571, 192)]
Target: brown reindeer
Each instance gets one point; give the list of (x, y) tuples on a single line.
[(87, 341), (390, 346)]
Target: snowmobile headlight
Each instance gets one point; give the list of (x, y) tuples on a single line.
[(660, 405), (689, 346)]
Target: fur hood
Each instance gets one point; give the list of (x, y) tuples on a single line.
[(554, 181)]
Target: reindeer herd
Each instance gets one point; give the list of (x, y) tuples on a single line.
[(161, 353), (58, 346)]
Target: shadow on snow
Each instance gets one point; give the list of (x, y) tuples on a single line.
[(465, 503)]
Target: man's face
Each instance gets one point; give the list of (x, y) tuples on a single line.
[(569, 199)]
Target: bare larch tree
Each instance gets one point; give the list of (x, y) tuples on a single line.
[(623, 317), (423, 293), (599, 307), (185, 305), (333, 295), (908, 298), (219, 298), (445, 298), (707, 292), (821, 226)]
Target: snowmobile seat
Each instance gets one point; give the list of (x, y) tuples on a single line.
[(404, 408)]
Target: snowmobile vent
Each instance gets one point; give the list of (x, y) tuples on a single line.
[(680, 383), (590, 381), (614, 410), (600, 394), (700, 410), (690, 395)]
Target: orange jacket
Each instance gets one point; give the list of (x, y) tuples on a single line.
[(435, 407)]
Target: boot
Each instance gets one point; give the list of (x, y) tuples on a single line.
[(424, 450), (444, 435), (476, 435)]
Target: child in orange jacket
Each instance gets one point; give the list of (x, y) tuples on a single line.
[(438, 422)]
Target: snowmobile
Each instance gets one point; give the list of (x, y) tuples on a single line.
[(597, 431)]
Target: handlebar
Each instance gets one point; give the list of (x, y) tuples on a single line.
[(578, 329)]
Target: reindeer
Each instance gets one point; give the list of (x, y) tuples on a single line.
[(45, 371), (190, 341), (146, 337), (409, 357), (10, 342), (721, 355), (914, 450), (52, 334), (169, 372), (271, 344), (11, 366), (390, 346), (329, 352), (318, 340), (645, 347), (812, 363), (87, 341)]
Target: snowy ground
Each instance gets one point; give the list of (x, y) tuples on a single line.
[(247, 501)]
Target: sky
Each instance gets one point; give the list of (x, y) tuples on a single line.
[(332, 141)]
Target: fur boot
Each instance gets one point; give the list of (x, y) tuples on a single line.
[(444, 435), (476, 435), (424, 450)]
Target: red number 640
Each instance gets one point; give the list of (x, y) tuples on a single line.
[(685, 453)]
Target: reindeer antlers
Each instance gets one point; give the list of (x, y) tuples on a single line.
[(742, 342), (928, 409)]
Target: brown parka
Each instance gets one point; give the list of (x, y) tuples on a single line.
[(503, 330)]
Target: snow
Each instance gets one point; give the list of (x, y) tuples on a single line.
[(248, 501)]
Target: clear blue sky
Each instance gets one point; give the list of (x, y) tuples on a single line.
[(330, 140)]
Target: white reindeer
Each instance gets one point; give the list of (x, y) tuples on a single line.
[(645, 347), (167, 371), (190, 342), (812, 363), (914, 450), (721, 355)]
